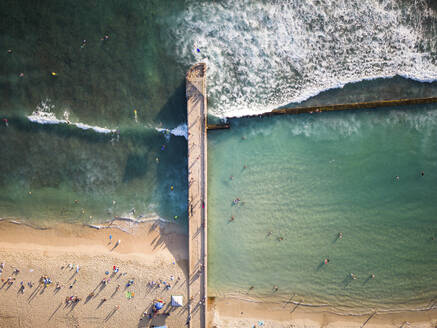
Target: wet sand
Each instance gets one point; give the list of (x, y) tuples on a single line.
[(147, 252), (233, 313)]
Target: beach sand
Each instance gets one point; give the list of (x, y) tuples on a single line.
[(147, 252), (233, 313)]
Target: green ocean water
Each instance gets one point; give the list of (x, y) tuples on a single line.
[(307, 178), (104, 136), (45, 168)]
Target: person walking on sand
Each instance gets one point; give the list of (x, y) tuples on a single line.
[(117, 243)]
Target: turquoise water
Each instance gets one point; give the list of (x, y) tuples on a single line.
[(306, 179), (94, 130)]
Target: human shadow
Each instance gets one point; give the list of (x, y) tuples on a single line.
[(295, 307), (54, 312), (321, 265), (110, 314), (100, 303), (347, 280), (34, 293), (369, 277)]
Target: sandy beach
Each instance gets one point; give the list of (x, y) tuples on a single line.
[(146, 252), (233, 313)]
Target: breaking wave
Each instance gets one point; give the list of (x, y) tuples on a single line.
[(261, 55)]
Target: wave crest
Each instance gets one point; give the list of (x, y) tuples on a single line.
[(262, 56)]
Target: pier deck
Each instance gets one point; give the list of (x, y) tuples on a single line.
[(197, 197)]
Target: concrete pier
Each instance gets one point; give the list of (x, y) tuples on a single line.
[(350, 106), (197, 195)]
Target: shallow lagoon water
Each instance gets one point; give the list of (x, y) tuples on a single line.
[(309, 177)]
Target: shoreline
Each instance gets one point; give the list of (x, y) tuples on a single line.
[(293, 299), (47, 250), (227, 312)]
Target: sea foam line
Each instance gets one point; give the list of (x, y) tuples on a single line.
[(263, 55), (42, 117), (180, 131)]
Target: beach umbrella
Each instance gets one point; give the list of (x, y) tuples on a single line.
[(158, 305), (177, 301)]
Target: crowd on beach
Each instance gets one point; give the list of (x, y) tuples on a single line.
[(71, 295)]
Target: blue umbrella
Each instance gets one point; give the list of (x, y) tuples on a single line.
[(158, 305)]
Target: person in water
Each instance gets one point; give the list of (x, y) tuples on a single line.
[(340, 235)]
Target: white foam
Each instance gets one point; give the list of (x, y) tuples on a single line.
[(44, 115), (261, 55), (180, 131)]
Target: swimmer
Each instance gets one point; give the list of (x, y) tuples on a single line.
[(243, 138), (397, 178), (251, 287), (280, 238), (275, 288), (245, 167), (326, 261), (422, 173), (353, 276), (269, 233), (340, 235), (231, 219), (231, 177), (372, 276)]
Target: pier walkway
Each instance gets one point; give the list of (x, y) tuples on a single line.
[(197, 197)]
